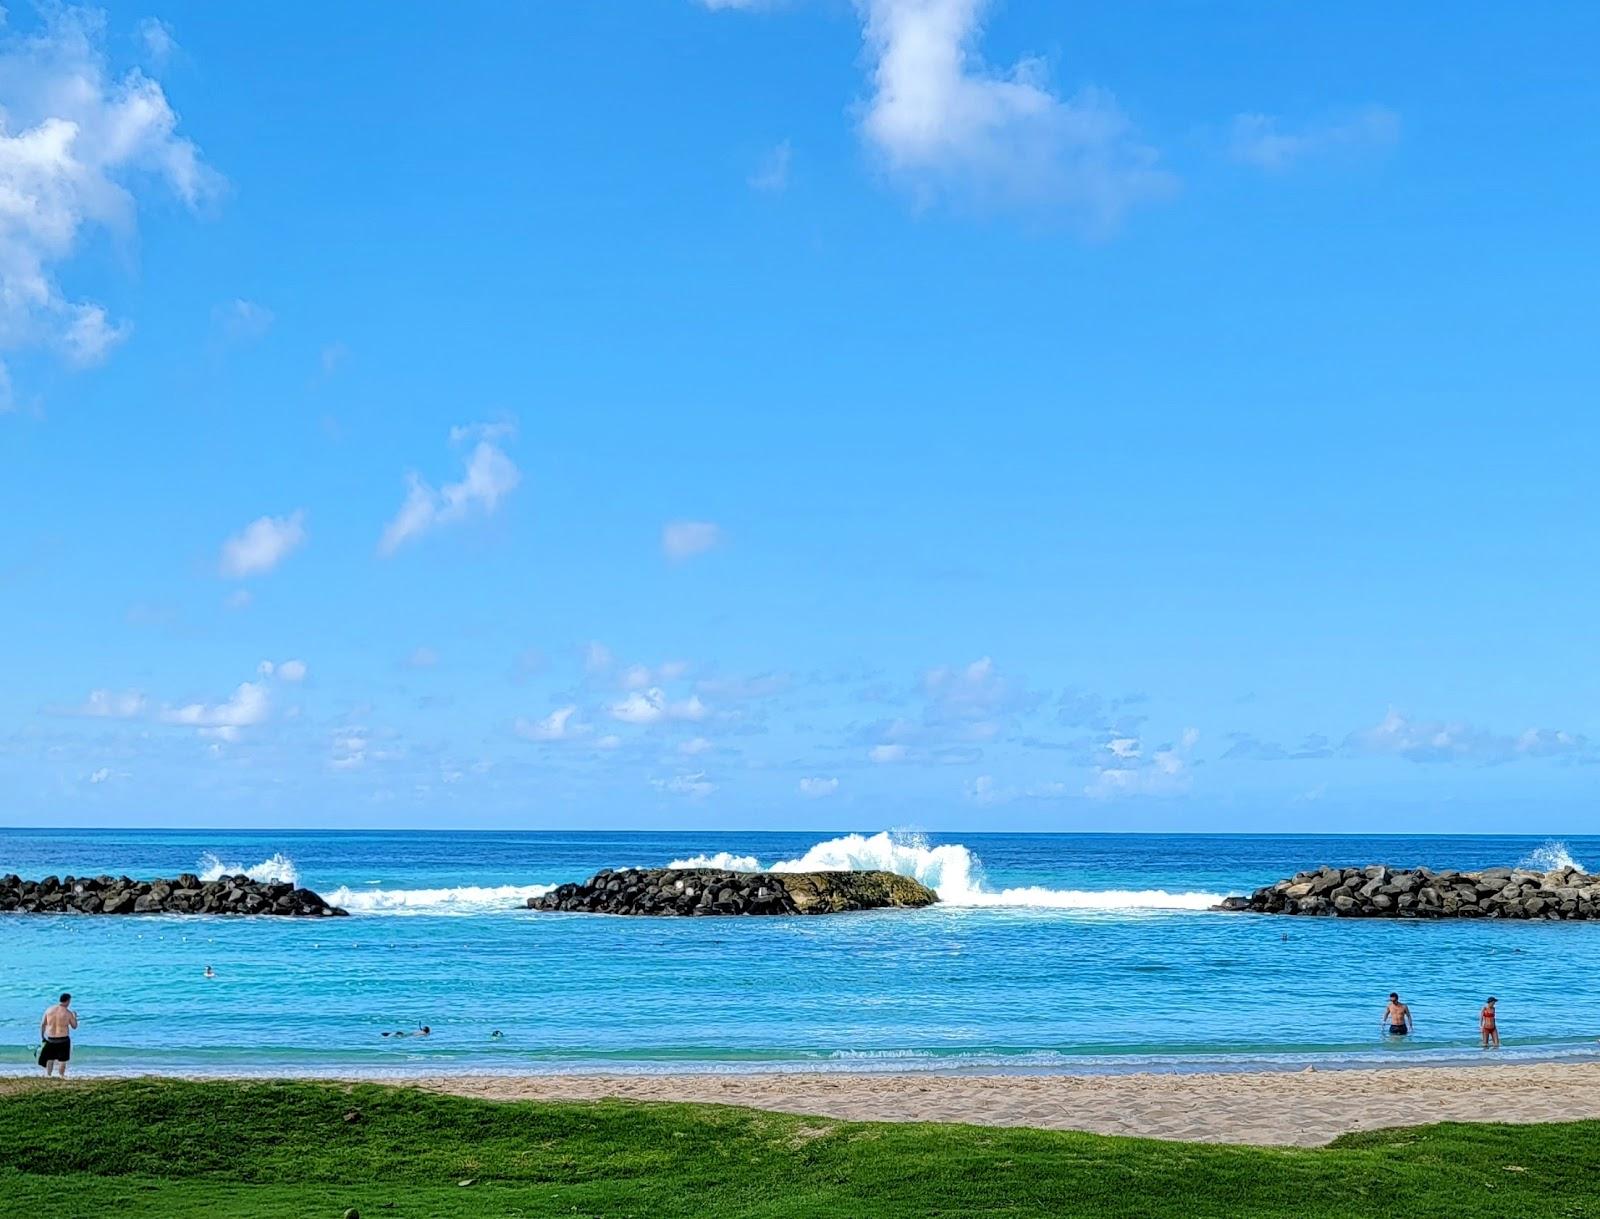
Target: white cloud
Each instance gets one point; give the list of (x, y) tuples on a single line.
[(814, 788), (609, 741), (559, 725), (113, 704), (1126, 770), (248, 706), (504, 429), (682, 540), (694, 745), (695, 785), (653, 707), (244, 321), (772, 176), (884, 754), (294, 671), (100, 776), (159, 44), (1261, 140), (639, 677), (76, 143), (1454, 741), (262, 545), (946, 124), (490, 476)]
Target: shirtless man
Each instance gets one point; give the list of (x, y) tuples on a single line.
[(55, 1030), (1396, 1017)]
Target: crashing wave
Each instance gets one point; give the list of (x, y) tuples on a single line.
[(953, 872), (722, 859), (279, 868), (1552, 856), (467, 899)]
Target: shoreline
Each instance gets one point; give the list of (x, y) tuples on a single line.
[(1285, 1108)]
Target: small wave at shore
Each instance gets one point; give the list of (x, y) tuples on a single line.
[(1551, 856), (279, 868), (467, 899), (953, 872)]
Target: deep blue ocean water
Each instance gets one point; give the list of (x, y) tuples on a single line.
[(1050, 952)]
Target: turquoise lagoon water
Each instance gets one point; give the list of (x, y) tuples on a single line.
[(1049, 952)]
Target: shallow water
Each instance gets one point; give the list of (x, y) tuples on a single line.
[(1049, 952)]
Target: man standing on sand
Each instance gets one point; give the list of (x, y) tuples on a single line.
[(55, 1030), (1396, 1017)]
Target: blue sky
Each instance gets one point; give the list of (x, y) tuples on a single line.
[(807, 414)]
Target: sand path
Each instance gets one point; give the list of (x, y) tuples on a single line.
[(1267, 1108)]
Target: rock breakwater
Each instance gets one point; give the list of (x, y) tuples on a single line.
[(1381, 892), (713, 891), (186, 894)]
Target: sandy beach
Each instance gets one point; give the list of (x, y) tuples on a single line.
[(1301, 1109)]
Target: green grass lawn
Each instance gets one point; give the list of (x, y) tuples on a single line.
[(304, 1150)]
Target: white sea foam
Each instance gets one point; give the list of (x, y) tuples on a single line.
[(956, 875), (1549, 857), (467, 899), (279, 868), (722, 859)]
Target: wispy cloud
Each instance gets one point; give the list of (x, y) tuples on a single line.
[(772, 175), (1399, 735), (1267, 143), (489, 477), (682, 540)]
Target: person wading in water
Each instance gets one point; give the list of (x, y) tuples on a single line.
[(1396, 1017), (55, 1031)]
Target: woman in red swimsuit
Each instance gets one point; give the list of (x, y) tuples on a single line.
[(1491, 1034)]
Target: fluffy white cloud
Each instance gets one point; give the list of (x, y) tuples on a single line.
[(682, 540), (653, 707), (772, 176), (248, 706), (695, 785), (113, 704), (884, 754), (294, 671), (815, 788), (489, 477), (1262, 141), (1125, 770), (694, 745), (262, 545), (560, 725), (946, 124), (100, 776), (76, 142), (640, 677)]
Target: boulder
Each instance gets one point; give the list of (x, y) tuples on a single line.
[(701, 892)]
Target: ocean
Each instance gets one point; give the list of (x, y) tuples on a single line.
[(1072, 952)]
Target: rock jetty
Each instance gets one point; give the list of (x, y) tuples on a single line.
[(187, 894), (708, 891), (1381, 892)]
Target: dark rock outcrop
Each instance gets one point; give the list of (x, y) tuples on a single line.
[(707, 891), (187, 894), (1381, 892)]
